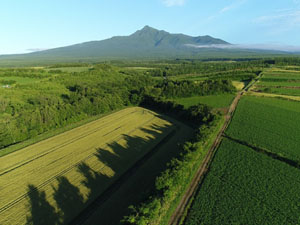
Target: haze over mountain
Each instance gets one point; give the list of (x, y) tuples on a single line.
[(147, 43)]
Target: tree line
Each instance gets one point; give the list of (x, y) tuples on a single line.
[(54, 100)]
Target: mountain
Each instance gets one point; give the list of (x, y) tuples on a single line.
[(147, 43)]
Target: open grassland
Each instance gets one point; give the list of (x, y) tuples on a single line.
[(21, 93), (247, 187), (53, 180), (238, 85), (18, 80), (268, 123), (214, 101)]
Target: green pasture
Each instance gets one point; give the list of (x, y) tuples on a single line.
[(214, 101)]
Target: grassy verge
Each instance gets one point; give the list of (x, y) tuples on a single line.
[(51, 133), (206, 147)]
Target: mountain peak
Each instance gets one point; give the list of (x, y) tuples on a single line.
[(146, 31), (148, 28)]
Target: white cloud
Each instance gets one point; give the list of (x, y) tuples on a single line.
[(170, 3), (232, 6), (283, 20), (276, 47), (227, 8), (36, 49), (296, 2)]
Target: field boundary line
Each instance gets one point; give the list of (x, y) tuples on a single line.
[(266, 152)]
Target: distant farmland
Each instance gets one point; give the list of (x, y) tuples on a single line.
[(214, 101), (278, 81), (52, 181)]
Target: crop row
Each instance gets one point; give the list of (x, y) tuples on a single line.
[(281, 91), (247, 187), (268, 123), (280, 82)]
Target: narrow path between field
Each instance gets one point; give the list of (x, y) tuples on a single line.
[(178, 214)]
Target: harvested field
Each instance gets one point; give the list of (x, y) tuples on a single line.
[(53, 180)]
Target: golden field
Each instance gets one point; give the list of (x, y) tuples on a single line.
[(53, 180)]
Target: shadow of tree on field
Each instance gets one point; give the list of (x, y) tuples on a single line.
[(40, 209), (122, 158), (93, 180), (68, 198)]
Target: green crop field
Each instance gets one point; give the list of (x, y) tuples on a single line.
[(18, 80), (215, 101), (269, 76), (192, 77), (268, 123), (247, 187), (279, 84), (70, 69), (282, 82), (82, 162), (281, 91)]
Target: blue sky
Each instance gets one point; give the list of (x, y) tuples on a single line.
[(43, 24)]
